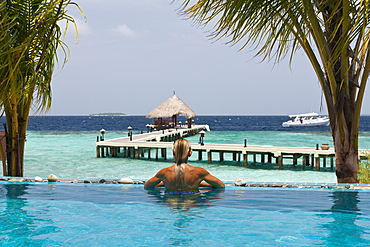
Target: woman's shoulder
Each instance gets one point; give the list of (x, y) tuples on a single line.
[(166, 169), (197, 168)]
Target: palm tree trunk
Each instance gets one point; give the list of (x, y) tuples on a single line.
[(346, 156)]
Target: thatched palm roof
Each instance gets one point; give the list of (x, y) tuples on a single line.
[(172, 107)]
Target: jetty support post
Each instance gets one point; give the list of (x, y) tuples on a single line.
[(304, 160), (279, 157), (331, 162), (97, 151), (312, 160), (164, 153), (295, 160), (209, 156), (280, 161), (307, 158), (199, 154), (102, 152), (317, 162), (137, 152), (221, 156), (245, 158), (156, 154)]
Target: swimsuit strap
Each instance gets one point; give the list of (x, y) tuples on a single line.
[(178, 192)]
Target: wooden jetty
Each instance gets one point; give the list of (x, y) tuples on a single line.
[(162, 140)]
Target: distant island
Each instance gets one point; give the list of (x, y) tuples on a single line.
[(108, 114)]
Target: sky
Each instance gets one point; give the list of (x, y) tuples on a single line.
[(132, 55)]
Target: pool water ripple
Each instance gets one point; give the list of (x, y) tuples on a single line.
[(64, 214)]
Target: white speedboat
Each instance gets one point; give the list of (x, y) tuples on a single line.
[(306, 120)]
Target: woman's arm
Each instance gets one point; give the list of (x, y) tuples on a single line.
[(153, 182), (213, 181), (157, 180)]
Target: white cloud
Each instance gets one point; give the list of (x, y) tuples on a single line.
[(125, 31)]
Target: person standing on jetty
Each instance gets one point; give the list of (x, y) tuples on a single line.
[(182, 178)]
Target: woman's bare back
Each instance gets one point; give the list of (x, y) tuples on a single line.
[(193, 177)]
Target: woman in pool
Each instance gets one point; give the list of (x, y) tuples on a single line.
[(182, 178)]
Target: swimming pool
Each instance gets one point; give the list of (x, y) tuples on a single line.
[(63, 214)]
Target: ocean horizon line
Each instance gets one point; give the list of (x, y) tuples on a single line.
[(198, 115)]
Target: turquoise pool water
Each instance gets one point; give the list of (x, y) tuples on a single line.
[(63, 214)]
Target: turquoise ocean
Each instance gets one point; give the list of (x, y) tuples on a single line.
[(65, 146)]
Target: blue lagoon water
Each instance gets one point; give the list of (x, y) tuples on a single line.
[(66, 214), (65, 146)]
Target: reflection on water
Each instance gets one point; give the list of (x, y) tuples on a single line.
[(185, 202), (345, 229), (20, 226)]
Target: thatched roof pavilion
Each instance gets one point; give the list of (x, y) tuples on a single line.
[(171, 108)]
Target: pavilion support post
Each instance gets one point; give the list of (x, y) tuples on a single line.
[(189, 123), (317, 163), (124, 151), (199, 154), (324, 161), (269, 157), (149, 153), (106, 151), (142, 152), (254, 158), (209, 157), (128, 151), (239, 157), (156, 154), (262, 158), (137, 153), (221, 156), (97, 151)]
